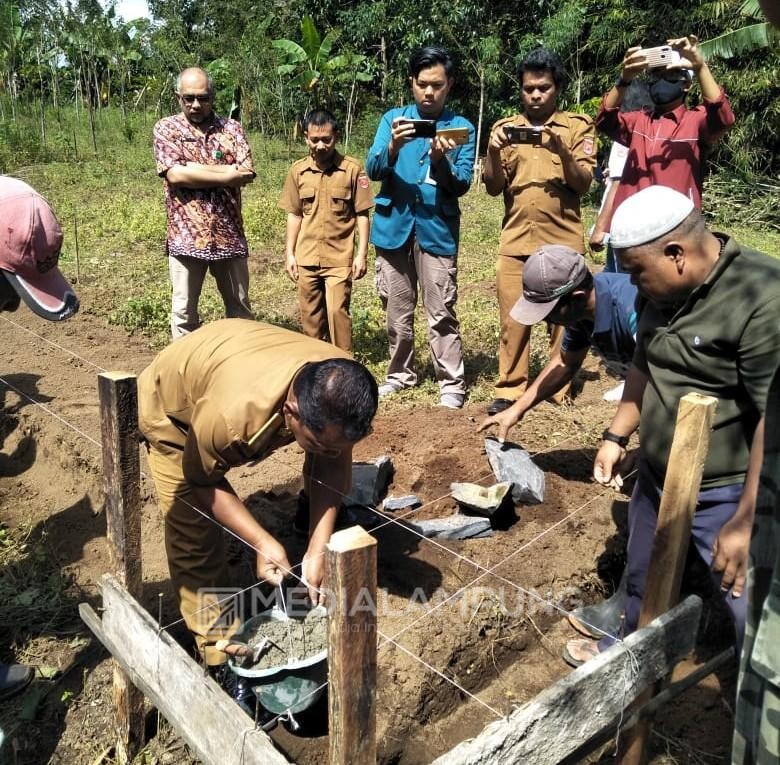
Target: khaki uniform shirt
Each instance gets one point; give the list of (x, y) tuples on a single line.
[(328, 201), (215, 396), (539, 208)]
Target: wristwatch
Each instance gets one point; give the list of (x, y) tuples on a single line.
[(621, 83), (621, 441)]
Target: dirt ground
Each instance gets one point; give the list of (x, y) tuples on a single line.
[(496, 641)]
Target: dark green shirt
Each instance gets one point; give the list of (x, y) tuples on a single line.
[(724, 341)]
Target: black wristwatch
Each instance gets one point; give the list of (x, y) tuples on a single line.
[(608, 435), (621, 83)]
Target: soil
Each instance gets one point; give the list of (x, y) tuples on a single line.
[(288, 640), (499, 639)]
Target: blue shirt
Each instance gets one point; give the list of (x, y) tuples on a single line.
[(415, 196), (612, 333)]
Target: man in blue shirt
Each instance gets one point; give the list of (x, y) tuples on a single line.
[(417, 223), (597, 311)]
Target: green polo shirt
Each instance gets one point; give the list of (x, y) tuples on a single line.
[(724, 341)]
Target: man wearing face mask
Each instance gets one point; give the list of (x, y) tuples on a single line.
[(597, 312), (665, 144)]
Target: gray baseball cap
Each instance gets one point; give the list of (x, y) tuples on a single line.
[(550, 273)]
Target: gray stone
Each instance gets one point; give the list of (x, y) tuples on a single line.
[(512, 464), (369, 481), (485, 500), (408, 501), (358, 515), (455, 526)]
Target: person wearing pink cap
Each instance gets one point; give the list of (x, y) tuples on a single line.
[(30, 243)]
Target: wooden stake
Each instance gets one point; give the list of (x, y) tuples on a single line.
[(673, 531), (122, 477), (352, 647)]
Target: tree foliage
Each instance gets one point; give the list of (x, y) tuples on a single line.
[(281, 57)]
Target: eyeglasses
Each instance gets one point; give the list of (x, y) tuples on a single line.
[(191, 98)]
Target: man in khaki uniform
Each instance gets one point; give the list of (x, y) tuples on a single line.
[(542, 160), (326, 196), (231, 393)]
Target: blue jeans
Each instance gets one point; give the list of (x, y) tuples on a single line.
[(713, 509)]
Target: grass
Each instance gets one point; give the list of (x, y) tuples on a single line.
[(111, 209)]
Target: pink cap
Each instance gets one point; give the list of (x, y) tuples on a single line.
[(30, 243)]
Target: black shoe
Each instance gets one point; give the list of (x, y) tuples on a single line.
[(499, 405), (14, 678)]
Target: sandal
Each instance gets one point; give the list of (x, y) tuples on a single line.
[(576, 652)]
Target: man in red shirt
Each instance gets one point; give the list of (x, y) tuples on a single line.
[(665, 144)]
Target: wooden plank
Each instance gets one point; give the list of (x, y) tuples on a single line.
[(121, 481), (352, 647), (211, 723), (673, 532), (670, 692), (587, 701)]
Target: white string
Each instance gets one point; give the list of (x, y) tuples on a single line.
[(49, 411), (52, 343)]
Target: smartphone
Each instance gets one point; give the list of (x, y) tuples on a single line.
[(523, 134), (459, 135), (423, 128), (660, 57)]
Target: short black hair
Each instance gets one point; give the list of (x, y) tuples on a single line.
[(338, 392), (431, 55), (543, 60), (318, 118)]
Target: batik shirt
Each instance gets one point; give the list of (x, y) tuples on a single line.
[(202, 223)]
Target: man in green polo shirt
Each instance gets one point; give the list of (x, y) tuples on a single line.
[(709, 324)]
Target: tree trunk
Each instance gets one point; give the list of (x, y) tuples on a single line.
[(477, 159), (383, 55)]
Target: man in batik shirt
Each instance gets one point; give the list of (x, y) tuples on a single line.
[(204, 160)]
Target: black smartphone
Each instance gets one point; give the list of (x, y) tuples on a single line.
[(423, 128), (523, 134)]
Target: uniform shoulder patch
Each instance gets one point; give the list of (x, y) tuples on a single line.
[(588, 145)]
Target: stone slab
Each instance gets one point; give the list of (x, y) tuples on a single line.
[(512, 464)]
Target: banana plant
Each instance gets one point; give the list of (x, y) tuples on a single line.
[(308, 61), (744, 39)]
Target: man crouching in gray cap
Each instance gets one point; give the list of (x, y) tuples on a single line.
[(709, 325)]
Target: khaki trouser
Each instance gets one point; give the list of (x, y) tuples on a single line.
[(324, 294), (187, 276), (196, 559), (514, 348), (397, 275)]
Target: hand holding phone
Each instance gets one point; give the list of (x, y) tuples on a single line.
[(660, 57), (523, 134)]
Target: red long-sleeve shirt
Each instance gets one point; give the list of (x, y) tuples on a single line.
[(665, 149)]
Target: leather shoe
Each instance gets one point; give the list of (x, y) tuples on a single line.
[(14, 678), (499, 405)]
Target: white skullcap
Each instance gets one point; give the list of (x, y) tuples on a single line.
[(648, 214)]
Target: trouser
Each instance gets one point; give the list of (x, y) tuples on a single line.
[(398, 273), (197, 556), (324, 294), (714, 507), (612, 266), (187, 276), (514, 349)]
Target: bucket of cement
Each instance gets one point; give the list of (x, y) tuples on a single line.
[(292, 667)]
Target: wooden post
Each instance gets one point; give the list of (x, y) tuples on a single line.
[(673, 531), (121, 481), (352, 647)]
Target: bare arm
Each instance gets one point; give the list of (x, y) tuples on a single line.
[(624, 423), (230, 511), (290, 240), (329, 480), (599, 228), (730, 551), (551, 379)]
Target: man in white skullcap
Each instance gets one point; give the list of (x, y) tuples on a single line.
[(708, 323)]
